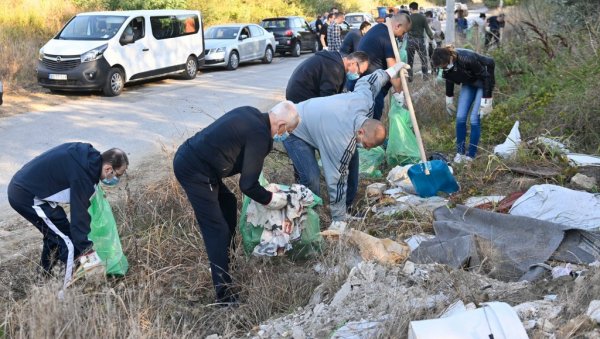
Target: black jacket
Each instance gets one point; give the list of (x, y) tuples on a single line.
[(237, 142), (321, 75), (472, 69), (350, 43), (66, 173)]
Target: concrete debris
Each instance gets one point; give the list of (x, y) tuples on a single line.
[(584, 182), (360, 329), (539, 309), (416, 240), (593, 311)]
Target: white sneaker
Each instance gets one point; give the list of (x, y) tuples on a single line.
[(461, 159)]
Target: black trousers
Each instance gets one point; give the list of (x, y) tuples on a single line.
[(215, 208), (417, 45), (52, 222), (492, 37)]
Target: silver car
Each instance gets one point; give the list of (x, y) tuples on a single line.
[(355, 19), (229, 45)]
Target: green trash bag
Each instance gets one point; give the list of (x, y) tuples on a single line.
[(402, 50), (402, 147), (105, 236), (310, 242), (371, 161)]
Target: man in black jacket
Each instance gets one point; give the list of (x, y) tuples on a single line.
[(69, 174), (324, 74), (236, 143)]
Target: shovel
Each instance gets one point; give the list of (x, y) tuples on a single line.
[(428, 177)]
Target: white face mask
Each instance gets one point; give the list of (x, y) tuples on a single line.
[(449, 66)]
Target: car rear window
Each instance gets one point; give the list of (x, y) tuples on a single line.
[(354, 19), (274, 23)]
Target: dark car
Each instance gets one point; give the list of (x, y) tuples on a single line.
[(293, 34)]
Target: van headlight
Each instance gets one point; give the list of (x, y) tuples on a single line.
[(40, 55), (94, 54)]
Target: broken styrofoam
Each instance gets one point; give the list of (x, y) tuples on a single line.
[(494, 319), (577, 209), (579, 160), (476, 201), (509, 147), (416, 240)]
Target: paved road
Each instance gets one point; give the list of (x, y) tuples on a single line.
[(142, 118)]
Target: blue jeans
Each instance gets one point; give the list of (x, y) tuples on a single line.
[(469, 100), (306, 166), (379, 101)]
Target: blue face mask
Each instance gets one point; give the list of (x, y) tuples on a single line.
[(282, 137), (352, 76), (111, 182)]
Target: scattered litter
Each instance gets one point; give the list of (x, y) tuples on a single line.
[(560, 271), (503, 206), (580, 160), (398, 177), (494, 320), (553, 144), (576, 209), (385, 251), (416, 240), (550, 297), (538, 309), (583, 181), (476, 201), (375, 191), (410, 203), (593, 311), (509, 147)]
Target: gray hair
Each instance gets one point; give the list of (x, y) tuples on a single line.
[(286, 111)]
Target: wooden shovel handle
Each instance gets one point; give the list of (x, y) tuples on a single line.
[(407, 98)]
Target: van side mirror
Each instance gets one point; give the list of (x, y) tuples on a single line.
[(127, 37), (243, 37)]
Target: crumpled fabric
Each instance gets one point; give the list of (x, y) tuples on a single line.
[(280, 226)]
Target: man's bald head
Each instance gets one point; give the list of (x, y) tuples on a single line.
[(400, 23), (371, 134)]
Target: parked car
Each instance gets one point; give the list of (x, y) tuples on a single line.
[(293, 34), (231, 44), (355, 19), (105, 50)]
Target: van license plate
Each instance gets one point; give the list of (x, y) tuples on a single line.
[(57, 76)]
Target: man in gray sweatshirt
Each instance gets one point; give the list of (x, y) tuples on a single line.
[(335, 126)]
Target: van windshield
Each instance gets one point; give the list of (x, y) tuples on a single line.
[(221, 33), (92, 27)]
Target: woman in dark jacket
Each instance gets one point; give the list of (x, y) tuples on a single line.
[(475, 73)]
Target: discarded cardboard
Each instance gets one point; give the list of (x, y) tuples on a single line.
[(385, 251)]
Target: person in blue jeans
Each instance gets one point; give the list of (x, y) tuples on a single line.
[(475, 73)]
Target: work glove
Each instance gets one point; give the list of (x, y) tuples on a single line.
[(90, 265), (486, 107), (325, 48), (434, 44), (278, 201), (394, 70), (338, 226), (450, 107), (488, 29), (399, 97)]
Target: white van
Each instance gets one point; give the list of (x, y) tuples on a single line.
[(105, 50)]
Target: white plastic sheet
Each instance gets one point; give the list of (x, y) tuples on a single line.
[(560, 205)]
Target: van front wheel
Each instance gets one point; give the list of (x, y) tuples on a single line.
[(115, 81), (191, 68)]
